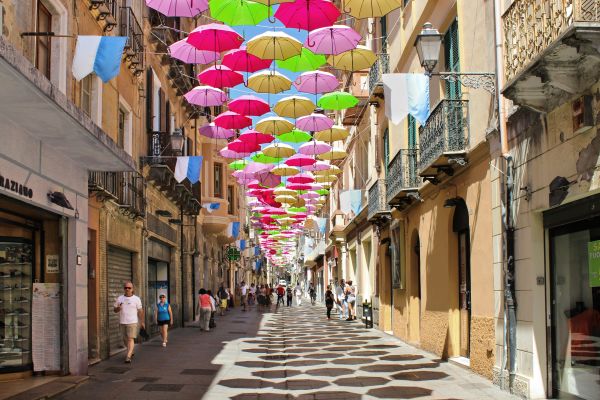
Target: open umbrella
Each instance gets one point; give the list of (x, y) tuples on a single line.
[(238, 12), (215, 132), (295, 136), (274, 125), (205, 96), (238, 165), (243, 147), (225, 152), (300, 160), (334, 154), (337, 132), (337, 101), (314, 122), (232, 120), (274, 46), (266, 178), (294, 107), (314, 147), (318, 166), (298, 186), (285, 170), (305, 61), (283, 191), (278, 150), (370, 8), (305, 177), (353, 60), (316, 82), (185, 52), (332, 170), (307, 14), (259, 157), (326, 178), (332, 39), (249, 105), (240, 60), (220, 76), (215, 37), (269, 82), (256, 137), (178, 8)]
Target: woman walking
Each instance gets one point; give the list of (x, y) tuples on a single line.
[(205, 307), (329, 299), (351, 299), (163, 316), (223, 297)]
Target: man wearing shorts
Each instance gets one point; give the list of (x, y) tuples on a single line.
[(244, 293), (131, 316)]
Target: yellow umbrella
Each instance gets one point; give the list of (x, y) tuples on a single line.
[(286, 221), (325, 178), (372, 8), (353, 60), (285, 170), (274, 126), (274, 46), (287, 199), (334, 154), (283, 191), (337, 132), (326, 185), (332, 170), (300, 202), (269, 82), (294, 107), (279, 150)]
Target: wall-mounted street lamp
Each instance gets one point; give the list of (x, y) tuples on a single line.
[(428, 44), (177, 140)]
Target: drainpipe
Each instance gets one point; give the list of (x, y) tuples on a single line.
[(509, 274)]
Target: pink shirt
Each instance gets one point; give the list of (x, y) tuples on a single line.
[(205, 301)]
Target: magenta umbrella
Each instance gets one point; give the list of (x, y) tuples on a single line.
[(300, 160), (241, 60), (251, 136), (249, 105), (206, 96), (318, 166), (187, 53), (243, 147), (233, 120), (314, 122), (220, 76), (178, 8), (215, 132), (307, 14), (332, 39), (316, 82), (225, 152), (305, 177), (215, 37), (298, 186), (314, 147)]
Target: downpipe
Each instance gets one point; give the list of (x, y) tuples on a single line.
[(510, 303)]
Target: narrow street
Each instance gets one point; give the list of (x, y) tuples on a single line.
[(293, 353)]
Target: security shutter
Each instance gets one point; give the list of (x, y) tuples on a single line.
[(119, 271)]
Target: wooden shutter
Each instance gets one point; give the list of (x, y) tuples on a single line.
[(451, 59), (149, 100), (386, 150)]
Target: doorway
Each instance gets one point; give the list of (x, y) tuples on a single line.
[(460, 225)]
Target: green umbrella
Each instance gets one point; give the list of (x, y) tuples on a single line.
[(337, 101), (238, 165), (261, 158), (273, 232), (305, 61), (323, 192), (295, 136), (238, 12), (297, 209)]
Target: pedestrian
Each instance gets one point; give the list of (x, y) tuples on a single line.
[(351, 299), (340, 300), (262, 300), (229, 298), (213, 306), (163, 317), (131, 317), (223, 297), (329, 299), (312, 293), (205, 307), (280, 294), (269, 295), (298, 293), (289, 296), (244, 294), (251, 294)]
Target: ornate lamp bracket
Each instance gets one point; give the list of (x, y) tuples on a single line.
[(473, 80)]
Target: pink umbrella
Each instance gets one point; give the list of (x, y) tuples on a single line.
[(220, 76), (318, 166), (310, 195), (255, 167), (225, 152), (249, 105), (241, 60), (275, 211), (244, 181), (233, 120), (316, 82), (268, 179), (206, 96), (253, 185), (215, 132), (215, 37), (178, 8), (332, 39), (305, 177), (313, 122), (300, 160), (316, 186), (310, 208), (314, 147), (187, 53), (307, 14), (298, 186), (243, 147), (251, 136)]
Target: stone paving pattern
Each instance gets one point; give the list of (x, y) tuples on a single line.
[(292, 353)]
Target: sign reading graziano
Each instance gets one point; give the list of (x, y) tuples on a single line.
[(16, 187), (594, 262)]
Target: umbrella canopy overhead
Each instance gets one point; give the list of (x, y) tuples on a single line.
[(295, 136), (279, 150), (215, 37), (337, 101), (314, 122), (316, 82), (334, 154), (314, 147), (206, 96), (220, 76), (185, 52), (238, 12), (269, 82), (232, 120), (332, 39), (215, 132), (274, 125), (225, 152), (337, 132), (305, 177), (372, 8), (249, 105), (274, 46), (259, 157), (305, 61), (178, 8), (294, 107), (238, 165), (256, 137), (243, 147), (300, 160), (285, 170), (353, 60), (240, 60), (307, 14)]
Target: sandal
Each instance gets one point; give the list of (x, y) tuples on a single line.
[(128, 360)]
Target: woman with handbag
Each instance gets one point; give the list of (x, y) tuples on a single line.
[(163, 317)]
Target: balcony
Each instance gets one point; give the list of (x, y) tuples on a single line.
[(162, 164), (127, 189), (444, 140), (381, 66), (357, 85), (134, 48), (164, 32), (402, 180), (551, 50), (181, 77), (378, 210), (105, 12)]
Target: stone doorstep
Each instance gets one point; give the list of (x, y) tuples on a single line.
[(51, 389)]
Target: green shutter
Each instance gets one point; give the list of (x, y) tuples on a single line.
[(386, 150), (384, 35), (412, 132), (451, 59)]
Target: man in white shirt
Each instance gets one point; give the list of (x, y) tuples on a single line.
[(340, 300), (131, 314), (244, 293), (298, 293)]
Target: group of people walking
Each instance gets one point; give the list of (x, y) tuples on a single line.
[(344, 299)]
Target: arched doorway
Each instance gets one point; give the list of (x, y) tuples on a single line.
[(460, 226), (415, 287)]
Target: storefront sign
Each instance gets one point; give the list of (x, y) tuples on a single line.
[(16, 187), (52, 264), (594, 263)]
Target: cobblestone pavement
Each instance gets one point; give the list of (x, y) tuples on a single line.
[(294, 353)]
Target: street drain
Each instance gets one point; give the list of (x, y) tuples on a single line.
[(161, 387), (145, 379), (116, 370)]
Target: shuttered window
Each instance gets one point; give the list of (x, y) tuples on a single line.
[(384, 34), (149, 100), (43, 43), (452, 60), (386, 150), (412, 132)]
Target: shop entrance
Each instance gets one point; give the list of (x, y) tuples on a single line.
[(119, 271), (460, 225), (158, 283)]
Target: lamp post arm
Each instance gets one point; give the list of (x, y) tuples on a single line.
[(473, 80)]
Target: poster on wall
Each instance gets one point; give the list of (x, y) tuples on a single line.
[(52, 264), (594, 262), (45, 327)]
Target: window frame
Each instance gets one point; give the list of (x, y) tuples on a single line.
[(218, 180), (43, 41), (231, 199)]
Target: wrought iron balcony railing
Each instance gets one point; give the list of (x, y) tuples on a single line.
[(165, 30), (446, 131), (531, 26), (378, 205), (107, 12), (381, 66), (402, 173), (127, 189), (134, 48)]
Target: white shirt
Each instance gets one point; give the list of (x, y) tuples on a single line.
[(213, 303), (129, 308), (298, 290), (252, 289), (244, 290), (339, 292)]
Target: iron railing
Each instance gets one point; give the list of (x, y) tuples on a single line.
[(181, 75), (530, 26), (164, 31), (107, 12), (127, 189), (377, 199), (134, 48), (381, 66), (402, 173), (446, 130)]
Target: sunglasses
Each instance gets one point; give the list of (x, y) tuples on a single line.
[(127, 287)]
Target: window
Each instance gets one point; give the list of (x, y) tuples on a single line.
[(384, 35), (43, 45), (412, 132), (121, 128), (386, 150), (218, 180), (124, 127), (86, 94), (451, 60), (230, 199)]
